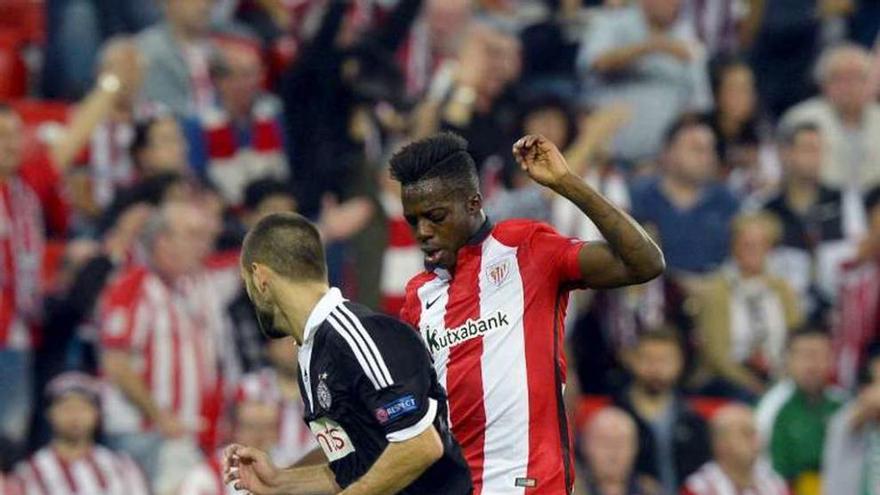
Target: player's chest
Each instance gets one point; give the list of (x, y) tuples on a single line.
[(330, 407), (486, 301)]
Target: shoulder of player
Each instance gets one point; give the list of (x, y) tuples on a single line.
[(418, 281), (353, 323), (518, 231)]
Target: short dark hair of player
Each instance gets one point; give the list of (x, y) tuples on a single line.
[(442, 156), (260, 190), (807, 332), (288, 244), (788, 134), (680, 125), (664, 334)]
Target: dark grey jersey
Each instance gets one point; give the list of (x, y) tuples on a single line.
[(368, 380)]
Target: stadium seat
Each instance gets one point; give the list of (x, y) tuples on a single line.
[(14, 83), (589, 405), (26, 16), (707, 406), (40, 118)]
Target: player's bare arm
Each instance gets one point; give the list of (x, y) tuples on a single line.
[(400, 464), (628, 256)]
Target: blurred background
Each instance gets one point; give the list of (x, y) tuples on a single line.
[(139, 139)]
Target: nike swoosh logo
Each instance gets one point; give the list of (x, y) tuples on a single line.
[(428, 305)]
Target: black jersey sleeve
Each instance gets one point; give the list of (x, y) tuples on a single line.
[(395, 377)]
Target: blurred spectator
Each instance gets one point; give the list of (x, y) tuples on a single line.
[(241, 139), (786, 41), (857, 313), (255, 420), (162, 333), (429, 55), (178, 51), (850, 460), (736, 467), (72, 464), (477, 101), (718, 24), (609, 444), (279, 382), (645, 56), (744, 314), (330, 93), (848, 116), (21, 253), (159, 155), (673, 439), (690, 210), (815, 221), (75, 30), (402, 259), (798, 433), (100, 134), (735, 120), (588, 153)]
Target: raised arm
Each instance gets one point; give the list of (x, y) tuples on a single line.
[(628, 256)]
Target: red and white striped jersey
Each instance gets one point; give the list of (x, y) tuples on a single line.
[(711, 480), (207, 479), (21, 256), (295, 439), (100, 472), (495, 332), (172, 335)]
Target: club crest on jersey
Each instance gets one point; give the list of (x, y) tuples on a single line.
[(499, 272), (324, 397)]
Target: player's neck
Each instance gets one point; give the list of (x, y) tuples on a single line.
[(70, 451), (296, 302)]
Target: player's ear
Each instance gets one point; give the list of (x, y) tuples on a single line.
[(260, 277), (475, 203)]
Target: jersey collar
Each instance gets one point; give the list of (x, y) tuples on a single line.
[(482, 233), (321, 312)]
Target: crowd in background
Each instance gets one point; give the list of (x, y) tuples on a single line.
[(744, 134)]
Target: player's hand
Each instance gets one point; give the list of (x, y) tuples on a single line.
[(250, 469), (541, 159)]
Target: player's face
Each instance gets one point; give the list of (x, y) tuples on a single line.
[(442, 219), (74, 418), (265, 308)]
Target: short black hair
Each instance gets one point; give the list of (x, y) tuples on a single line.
[(663, 333), (872, 199), (788, 134), (542, 101), (141, 139), (681, 124), (807, 332), (287, 243), (441, 156), (261, 189)]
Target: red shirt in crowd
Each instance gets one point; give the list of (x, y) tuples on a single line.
[(100, 472), (172, 335)]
